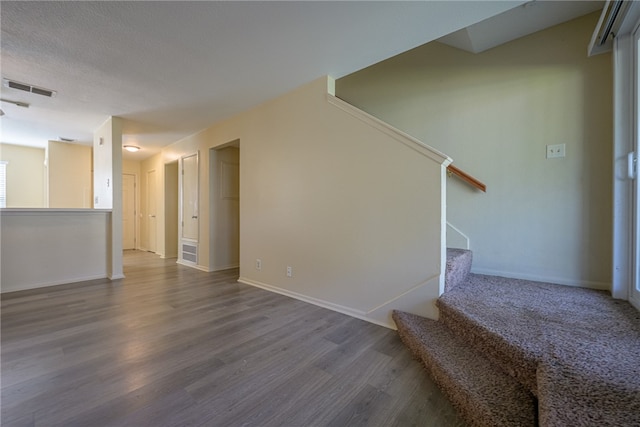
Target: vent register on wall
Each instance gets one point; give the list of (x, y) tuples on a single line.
[(190, 252)]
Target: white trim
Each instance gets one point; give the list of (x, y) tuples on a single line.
[(358, 314), (226, 267), (602, 286), (192, 265), (463, 236), (622, 186), (634, 285), (390, 131), (408, 291)]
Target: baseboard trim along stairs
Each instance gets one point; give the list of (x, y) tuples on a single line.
[(510, 352)]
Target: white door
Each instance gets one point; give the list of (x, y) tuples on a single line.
[(128, 211), (190, 197), (151, 211)]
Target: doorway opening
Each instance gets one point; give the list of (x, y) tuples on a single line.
[(171, 219), (152, 223), (129, 228), (224, 206)]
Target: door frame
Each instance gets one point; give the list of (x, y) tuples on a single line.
[(634, 285), (152, 182), (187, 244), (182, 196), (626, 196), (135, 209)]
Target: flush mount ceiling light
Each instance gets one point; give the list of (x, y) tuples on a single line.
[(131, 148)]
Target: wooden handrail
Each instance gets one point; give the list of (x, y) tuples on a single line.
[(467, 178)]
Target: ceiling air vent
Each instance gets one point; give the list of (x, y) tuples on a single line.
[(28, 88)]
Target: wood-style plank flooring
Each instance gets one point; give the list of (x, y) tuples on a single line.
[(174, 346)]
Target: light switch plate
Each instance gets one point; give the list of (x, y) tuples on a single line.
[(556, 151)]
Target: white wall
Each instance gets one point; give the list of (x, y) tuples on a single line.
[(494, 113), (25, 176), (43, 247), (352, 209)]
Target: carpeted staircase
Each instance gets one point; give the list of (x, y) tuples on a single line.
[(512, 352)]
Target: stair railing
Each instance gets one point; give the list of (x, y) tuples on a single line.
[(452, 170)]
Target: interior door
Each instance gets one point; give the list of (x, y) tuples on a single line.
[(152, 224), (190, 197), (128, 211)]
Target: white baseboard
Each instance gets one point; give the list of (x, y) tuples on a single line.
[(226, 267), (196, 266), (358, 314), (602, 286), (28, 286)]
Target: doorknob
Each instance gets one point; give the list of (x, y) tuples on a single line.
[(194, 217)]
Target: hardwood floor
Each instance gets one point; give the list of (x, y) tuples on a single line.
[(174, 346)]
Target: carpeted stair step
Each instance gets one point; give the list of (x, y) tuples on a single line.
[(483, 394), (490, 314), (458, 267)]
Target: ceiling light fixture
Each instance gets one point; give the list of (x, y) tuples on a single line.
[(18, 103), (131, 148)]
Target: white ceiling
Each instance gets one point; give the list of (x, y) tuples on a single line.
[(171, 69), (518, 22)]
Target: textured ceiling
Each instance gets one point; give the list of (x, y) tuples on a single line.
[(173, 68)]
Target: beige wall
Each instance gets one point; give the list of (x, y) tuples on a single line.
[(354, 211), (494, 113), (69, 171), (25, 176)]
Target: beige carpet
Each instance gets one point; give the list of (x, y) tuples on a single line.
[(577, 350)]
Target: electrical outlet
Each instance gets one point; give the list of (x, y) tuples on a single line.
[(289, 271), (556, 151), (258, 264)]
